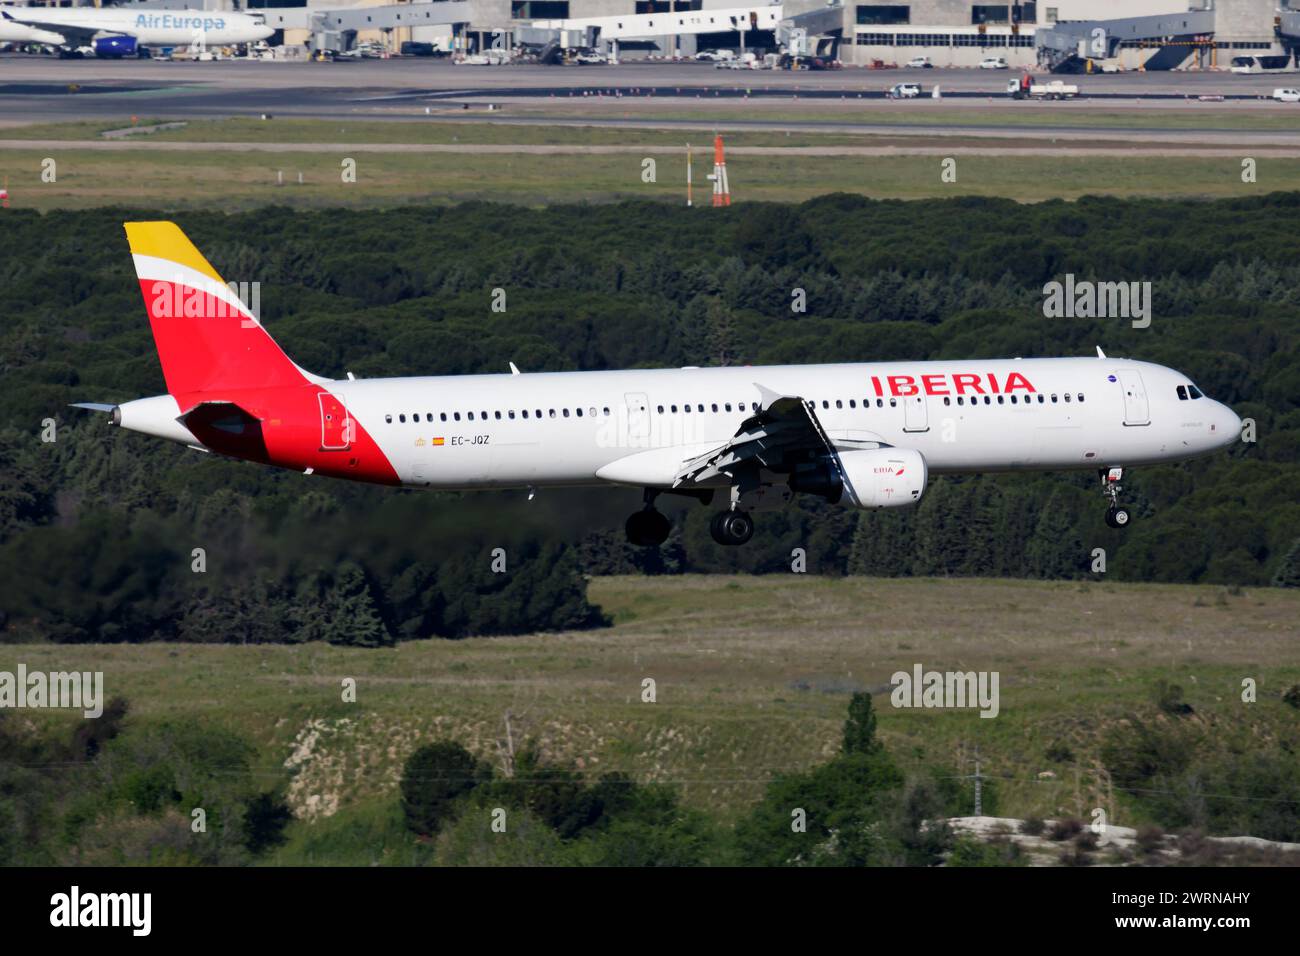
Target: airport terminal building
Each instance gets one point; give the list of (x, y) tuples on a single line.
[(1062, 35)]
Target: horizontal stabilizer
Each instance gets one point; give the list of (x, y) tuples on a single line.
[(93, 406)]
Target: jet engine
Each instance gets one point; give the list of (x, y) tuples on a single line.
[(883, 477), (115, 47)]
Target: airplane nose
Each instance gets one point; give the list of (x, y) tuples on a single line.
[(1227, 426)]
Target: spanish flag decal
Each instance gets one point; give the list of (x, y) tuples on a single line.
[(439, 441)]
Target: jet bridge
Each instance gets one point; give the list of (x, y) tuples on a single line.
[(1173, 37)]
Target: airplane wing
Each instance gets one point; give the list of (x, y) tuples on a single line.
[(784, 432), (72, 35)]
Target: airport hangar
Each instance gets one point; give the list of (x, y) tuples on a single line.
[(1061, 35)]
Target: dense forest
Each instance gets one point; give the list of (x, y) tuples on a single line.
[(98, 528)]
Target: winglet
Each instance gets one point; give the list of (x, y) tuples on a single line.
[(767, 397)]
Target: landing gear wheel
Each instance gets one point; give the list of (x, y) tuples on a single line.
[(731, 528), (1117, 516), (647, 528)]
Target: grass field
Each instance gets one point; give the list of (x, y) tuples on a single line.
[(242, 164), (752, 677), (244, 180)]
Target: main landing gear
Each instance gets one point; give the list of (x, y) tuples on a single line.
[(732, 528), (648, 528), (1117, 516)]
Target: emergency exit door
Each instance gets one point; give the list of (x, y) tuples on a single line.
[(336, 425)]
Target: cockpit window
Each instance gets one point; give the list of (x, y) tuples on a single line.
[(1182, 393), (1194, 391)]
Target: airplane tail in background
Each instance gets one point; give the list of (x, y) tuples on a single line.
[(207, 339)]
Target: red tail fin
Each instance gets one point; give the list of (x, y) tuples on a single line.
[(207, 339)]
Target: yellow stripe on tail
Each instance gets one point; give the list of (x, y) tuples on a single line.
[(164, 240)]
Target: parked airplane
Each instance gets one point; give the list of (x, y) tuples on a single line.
[(868, 435), (119, 32)]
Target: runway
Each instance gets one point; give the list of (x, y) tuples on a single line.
[(44, 89)]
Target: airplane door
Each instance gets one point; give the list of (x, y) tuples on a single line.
[(335, 423), (915, 414), (638, 418), (1136, 409)]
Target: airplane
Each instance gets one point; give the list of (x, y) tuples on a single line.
[(117, 33), (867, 435)]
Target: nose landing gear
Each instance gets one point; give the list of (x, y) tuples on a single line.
[(1117, 516), (732, 528)]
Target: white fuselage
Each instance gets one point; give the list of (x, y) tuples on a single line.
[(969, 416), (151, 27)]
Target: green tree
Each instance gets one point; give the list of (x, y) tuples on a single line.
[(434, 777), (350, 613), (860, 727)]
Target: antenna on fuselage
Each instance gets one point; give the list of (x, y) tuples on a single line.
[(514, 369), (1100, 353)]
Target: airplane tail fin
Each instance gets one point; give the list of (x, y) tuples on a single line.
[(207, 338)]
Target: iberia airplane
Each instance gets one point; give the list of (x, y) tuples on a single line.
[(865, 434)]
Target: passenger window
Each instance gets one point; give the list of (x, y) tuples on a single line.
[(947, 401), (987, 400), (401, 418), (539, 413), (1053, 399), (1001, 400), (592, 411), (470, 415), (1081, 396), (699, 408), (552, 413), (511, 414), (524, 413), (674, 408), (497, 416), (728, 406), (443, 416), (661, 409), (1041, 399), (389, 419), (1013, 400), (853, 403), (715, 406), (839, 403), (565, 411), (825, 404), (893, 403), (578, 412), (606, 411), (1066, 396), (880, 403), (456, 415)]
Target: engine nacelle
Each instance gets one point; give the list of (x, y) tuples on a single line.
[(115, 47), (883, 477)]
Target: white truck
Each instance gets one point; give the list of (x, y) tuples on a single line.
[(1053, 90)]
